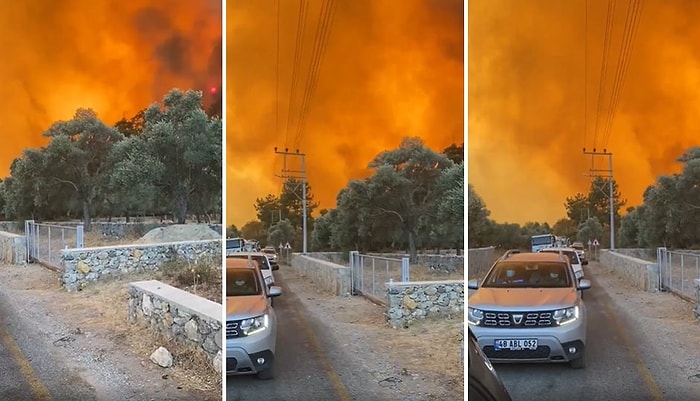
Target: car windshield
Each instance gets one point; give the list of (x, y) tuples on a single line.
[(528, 275), (242, 282), (271, 251), (261, 259), (572, 255)]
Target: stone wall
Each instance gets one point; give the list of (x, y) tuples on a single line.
[(408, 302), (327, 276), (639, 273), (341, 258), (14, 227), (480, 260), (13, 248), (81, 266), (179, 315)]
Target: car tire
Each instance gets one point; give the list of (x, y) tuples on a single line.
[(268, 373), (578, 363)]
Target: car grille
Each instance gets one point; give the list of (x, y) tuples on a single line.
[(518, 320), (233, 329), (541, 352)]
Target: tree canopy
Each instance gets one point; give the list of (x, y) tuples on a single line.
[(164, 160)]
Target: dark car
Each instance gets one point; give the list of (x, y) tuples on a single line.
[(484, 384)]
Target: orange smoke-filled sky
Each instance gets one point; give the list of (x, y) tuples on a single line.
[(116, 57), (390, 70), (527, 99)]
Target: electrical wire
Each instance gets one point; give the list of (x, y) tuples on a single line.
[(603, 65), (629, 36), (323, 30)]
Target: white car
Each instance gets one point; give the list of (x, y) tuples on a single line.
[(576, 263)]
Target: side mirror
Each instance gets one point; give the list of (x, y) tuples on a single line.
[(584, 262), (275, 266), (274, 291), (473, 284), (584, 284)]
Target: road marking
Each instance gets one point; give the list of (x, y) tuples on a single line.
[(38, 388), (642, 368), (340, 390)]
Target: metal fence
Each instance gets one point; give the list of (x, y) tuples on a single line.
[(45, 241), (677, 271), (370, 273)]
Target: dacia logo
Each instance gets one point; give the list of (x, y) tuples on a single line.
[(517, 319)]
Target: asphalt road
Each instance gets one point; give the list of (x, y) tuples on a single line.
[(622, 364), (310, 366), (28, 369)]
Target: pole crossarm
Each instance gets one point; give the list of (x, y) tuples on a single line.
[(594, 173), (296, 174)]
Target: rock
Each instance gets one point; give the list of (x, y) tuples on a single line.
[(192, 331), (146, 305), (217, 362), (162, 357), (409, 303), (83, 267)]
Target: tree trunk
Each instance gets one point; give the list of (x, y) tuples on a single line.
[(180, 209), (412, 251), (86, 215)]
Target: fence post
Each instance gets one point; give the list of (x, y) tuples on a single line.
[(28, 243), (79, 237), (405, 269)]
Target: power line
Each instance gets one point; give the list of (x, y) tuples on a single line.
[(604, 64), (585, 75), (320, 42), (298, 50), (629, 36)]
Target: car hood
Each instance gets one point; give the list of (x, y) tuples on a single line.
[(525, 298), (243, 307)]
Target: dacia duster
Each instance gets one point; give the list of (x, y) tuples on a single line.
[(529, 309), (251, 323)]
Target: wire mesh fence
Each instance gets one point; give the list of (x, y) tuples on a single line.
[(678, 270), (45, 241), (371, 273)]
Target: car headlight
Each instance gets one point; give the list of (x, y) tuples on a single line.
[(475, 316), (564, 316), (255, 325)]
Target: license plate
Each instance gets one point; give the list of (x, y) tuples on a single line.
[(516, 344)]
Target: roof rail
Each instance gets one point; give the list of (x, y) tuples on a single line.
[(510, 252)]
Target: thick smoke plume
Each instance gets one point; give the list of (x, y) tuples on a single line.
[(529, 96), (388, 72), (115, 57)]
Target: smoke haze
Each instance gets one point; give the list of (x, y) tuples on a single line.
[(527, 100), (116, 57), (387, 72)]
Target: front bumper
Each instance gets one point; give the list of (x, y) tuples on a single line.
[(554, 344), (239, 362)]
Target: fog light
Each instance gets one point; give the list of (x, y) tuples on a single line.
[(572, 350), (261, 361)]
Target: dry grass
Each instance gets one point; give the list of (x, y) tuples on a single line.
[(425, 273), (103, 308), (95, 239)]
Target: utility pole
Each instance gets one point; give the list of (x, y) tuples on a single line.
[(609, 175), (297, 174)]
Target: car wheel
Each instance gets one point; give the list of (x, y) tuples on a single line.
[(268, 373), (578, 363)]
